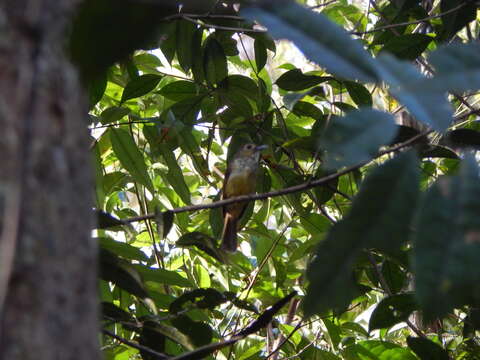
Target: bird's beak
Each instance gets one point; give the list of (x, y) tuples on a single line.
[(261, 147)]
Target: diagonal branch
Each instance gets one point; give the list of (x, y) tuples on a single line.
[(285, 191)]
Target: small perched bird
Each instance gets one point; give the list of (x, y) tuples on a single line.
[(240, 179)]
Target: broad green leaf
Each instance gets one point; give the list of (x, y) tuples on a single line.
[(122, 249), (162, 276), (320, 40), (197, 61), (392, 310), (240, 84), (130, 157), (446, 243), (175, 175), (164, 222), (303, 108), (427, 349), (377, 350), (457, 69), (260, 54), (180, 90), (464, 138), (214, 61), (113, 114), (199, 333), (140, 86), (429, 107), (454, 21), (407, 46), (295, 80), (202, 242), (389, 194), (96, 89), (121, 273), (356, 137), (359, 93)]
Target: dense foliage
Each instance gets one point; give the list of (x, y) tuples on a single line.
[(374, 211)]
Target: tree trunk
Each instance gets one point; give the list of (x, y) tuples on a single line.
[(48, 300)]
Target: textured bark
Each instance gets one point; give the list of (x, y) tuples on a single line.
[(50, 303)]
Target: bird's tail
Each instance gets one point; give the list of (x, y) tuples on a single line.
[(229, 235)]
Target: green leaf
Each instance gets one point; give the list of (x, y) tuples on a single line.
[(197, 61), (198, 332), (295, 80), (130, 157), (356, 137), (359, 93), (180, 90), (164, 222), (392, 310), (260, 54), (140, 86), (112, 114), (175, 175), (454, 21), (431, 108), (121, 273), (317, 37), (427, 349), (162, 276), (184, 43), (446, 243), (240, 84), (214, 61), (377, 350), (122, 249), (380, 217), (96, 89), (464, 138), (407, 46), (202, 242)]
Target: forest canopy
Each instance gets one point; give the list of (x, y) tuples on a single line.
[(364, 239)]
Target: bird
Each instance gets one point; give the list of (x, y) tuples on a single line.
[(240, 179)]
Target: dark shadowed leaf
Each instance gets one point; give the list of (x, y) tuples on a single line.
[(121, 273), (359, 93), (180, 90), (464, 138), (426, 349), (453, 21), (446, 243), (164, 222), (408, 46), (260, 54), (320, 40), (356, 137), (295, 80), (140, 86), (392, 310), (184, 43), (214, 61), (380, 217), (162, 276)]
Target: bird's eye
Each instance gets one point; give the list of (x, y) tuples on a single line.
[(249, 146)]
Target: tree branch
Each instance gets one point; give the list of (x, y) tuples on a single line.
[(285, 191), (134, 345)]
